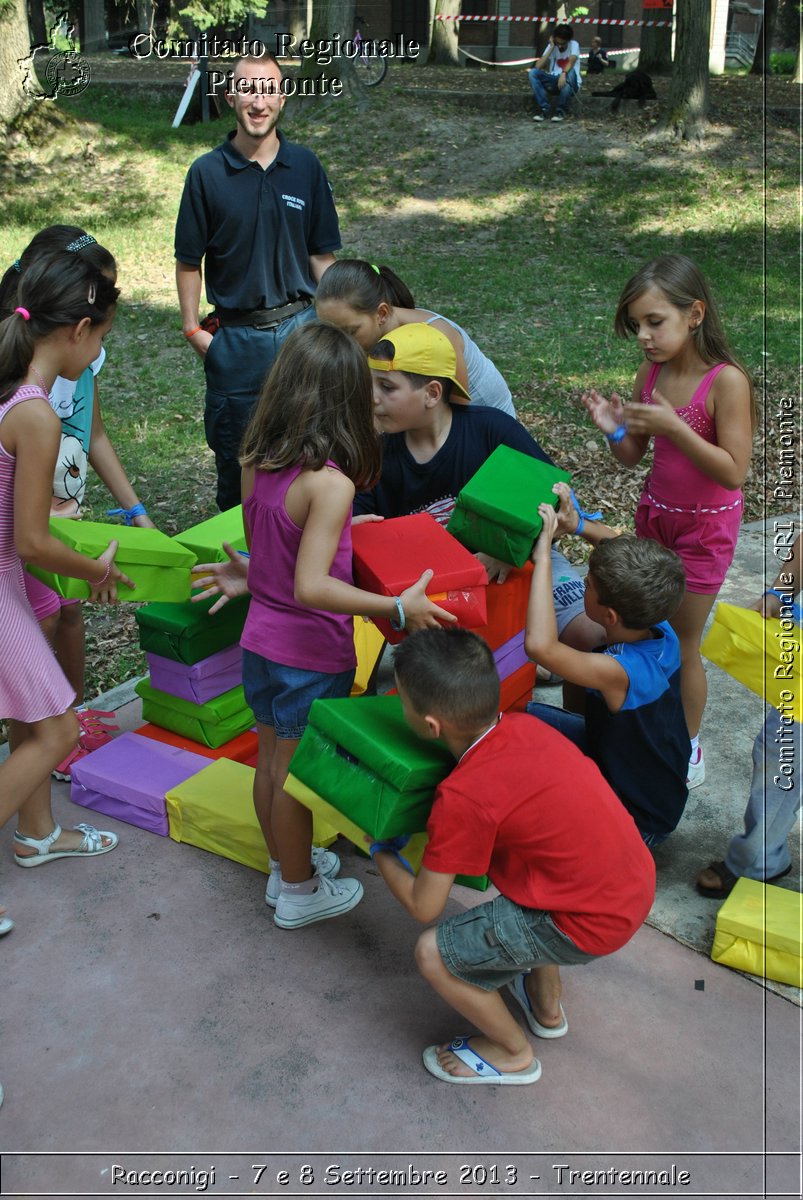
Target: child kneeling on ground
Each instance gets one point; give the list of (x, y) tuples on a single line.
[(525, 807), (633, 726)]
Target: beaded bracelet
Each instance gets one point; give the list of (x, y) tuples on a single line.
[(100, 582), (128, 514), (618, 434)]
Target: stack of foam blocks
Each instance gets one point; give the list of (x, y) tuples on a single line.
[(189, 771)]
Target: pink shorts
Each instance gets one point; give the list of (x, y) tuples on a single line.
[(42, 599), (704, 542)]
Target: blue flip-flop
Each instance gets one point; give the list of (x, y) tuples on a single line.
[(484, 1072), (519, 992)]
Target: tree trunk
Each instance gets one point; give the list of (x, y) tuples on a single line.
[(16, 64), (92, 22), (329, 17), (687, 105), (655, 53), (798, 76), (761, 58), (36, 14), (444, 34)]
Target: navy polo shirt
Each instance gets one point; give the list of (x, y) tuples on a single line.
[(255, 229)]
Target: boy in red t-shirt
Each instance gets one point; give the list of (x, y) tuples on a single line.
[(529, 809)]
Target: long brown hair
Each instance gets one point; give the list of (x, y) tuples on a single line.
[(316, 404), (682, 282), (58, 289)]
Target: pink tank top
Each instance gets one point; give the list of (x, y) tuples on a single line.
[(277, 626), (675, 482)]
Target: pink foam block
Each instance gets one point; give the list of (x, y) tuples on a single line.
[(203, 680), (128, 778)]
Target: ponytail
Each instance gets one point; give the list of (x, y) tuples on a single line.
[(363, 286), (58, 290)]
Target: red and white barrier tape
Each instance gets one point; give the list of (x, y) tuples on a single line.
[(552, 20)]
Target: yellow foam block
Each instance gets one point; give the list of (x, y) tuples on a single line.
[(368, 643), (759, 930), (324, 812), (215, 811)]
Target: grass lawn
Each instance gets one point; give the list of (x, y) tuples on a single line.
[(523, 234)]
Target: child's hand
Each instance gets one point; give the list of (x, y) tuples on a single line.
[(769, 606), (364, 518), (419, 610), (550, 518), (495, 568), (225, 579), (607, 415), (568, 517), (106, 592), (650, 419)]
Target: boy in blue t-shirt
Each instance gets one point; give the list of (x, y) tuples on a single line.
[(633, 726)]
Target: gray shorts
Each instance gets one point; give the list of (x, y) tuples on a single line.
[(568, 589), (490, 945)]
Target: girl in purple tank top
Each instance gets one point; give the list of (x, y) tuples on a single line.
[(695, 401), (309, 446), (64, 307)]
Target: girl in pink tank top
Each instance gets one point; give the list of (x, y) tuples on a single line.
[(695, 401), (309, 446), (64, 307)]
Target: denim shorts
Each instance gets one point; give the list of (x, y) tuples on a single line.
[(568, 590), (282, 696), (490, 945)]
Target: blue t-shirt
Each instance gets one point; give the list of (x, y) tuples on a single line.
[(643, 749), (407, 486), (255, 229)]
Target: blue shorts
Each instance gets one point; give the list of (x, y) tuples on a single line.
[(490, 945), (282, 696)]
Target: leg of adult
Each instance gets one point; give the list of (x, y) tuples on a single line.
[(688, 623), (542, 83), (566, 93), (502, 1042), (762, 851), (237, 363), (570, 724)]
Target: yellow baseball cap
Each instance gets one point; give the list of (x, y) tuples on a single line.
[(422, 350)]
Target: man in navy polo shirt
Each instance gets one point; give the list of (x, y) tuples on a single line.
[(258, 212)]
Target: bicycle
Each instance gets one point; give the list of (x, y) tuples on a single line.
[(371, 68)]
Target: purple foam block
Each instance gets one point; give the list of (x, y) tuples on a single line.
[(202, 681), (511, 655), (128, 778)]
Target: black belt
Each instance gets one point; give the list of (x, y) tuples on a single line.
[(263, 318)]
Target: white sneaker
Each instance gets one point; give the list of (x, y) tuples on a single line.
[(329, 899), (325, 862), (696, 772)]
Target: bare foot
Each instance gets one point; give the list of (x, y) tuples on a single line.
[(492, 1052)]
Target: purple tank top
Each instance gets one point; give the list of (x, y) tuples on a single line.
[(278, 627), (675, 482)]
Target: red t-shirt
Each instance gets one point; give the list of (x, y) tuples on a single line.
[(526, 807)]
